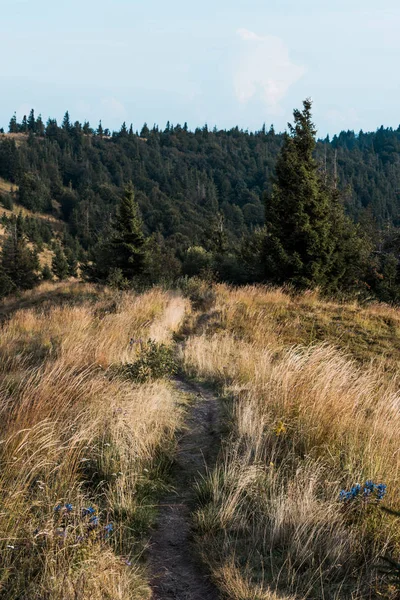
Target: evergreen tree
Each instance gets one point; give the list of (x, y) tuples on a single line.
[(46, 273), (32, 122), (19, 263), (66, 124), (59, 263), (13, 126), (87, 130), (127, 244), (24, 124), (40, 130), (298, 243)]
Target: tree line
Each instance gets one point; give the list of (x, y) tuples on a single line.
[(232, 205)]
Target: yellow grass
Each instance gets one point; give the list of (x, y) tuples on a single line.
[(306, 420), (71, 431)]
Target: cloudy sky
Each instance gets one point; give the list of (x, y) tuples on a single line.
[(221, 62)]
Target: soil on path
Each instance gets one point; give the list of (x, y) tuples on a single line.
[(176, 571)]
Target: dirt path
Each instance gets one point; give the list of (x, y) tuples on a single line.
[(176, 571)]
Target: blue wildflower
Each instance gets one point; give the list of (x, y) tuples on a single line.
[(108, 528), (94, 521), (68, 507), (380, 490), (355, 490), (88, 511), (57, 508)]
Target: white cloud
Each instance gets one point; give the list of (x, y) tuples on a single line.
[(343, 118), (113, 108), (265, 70)]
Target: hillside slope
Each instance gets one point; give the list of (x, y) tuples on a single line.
[(303, 392)]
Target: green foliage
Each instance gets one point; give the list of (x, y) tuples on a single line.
[(18, 262), (59, 263), (298, 243), (309, 241), (6, 201), (33, 192), (204, 189), (155, 361), (160, 265), (46, 273), (197, 261), (127, 243), (200, 292)]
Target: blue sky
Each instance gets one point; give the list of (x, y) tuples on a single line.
[(223, 62)]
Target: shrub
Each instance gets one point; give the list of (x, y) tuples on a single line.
[(200, 292), (155, 361)]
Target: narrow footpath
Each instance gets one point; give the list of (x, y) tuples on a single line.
[(176, 571)]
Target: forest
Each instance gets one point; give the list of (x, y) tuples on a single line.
[(204, 196)]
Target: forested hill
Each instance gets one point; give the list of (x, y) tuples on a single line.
[(185, 182)]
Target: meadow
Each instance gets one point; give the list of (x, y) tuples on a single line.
[(83, 450), (309, 395), (312, 407)]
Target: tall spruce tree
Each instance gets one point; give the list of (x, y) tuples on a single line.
[(19, 264), (59, 263), (127, 244), (298, 243)]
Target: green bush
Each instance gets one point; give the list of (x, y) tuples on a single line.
[(200, 292), (155, 361)]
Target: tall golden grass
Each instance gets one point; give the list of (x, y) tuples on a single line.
[(72, 432), (306, 420)]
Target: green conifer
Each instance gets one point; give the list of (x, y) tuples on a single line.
[(127, 244), (18, 262), (59, 263), (298, 243)]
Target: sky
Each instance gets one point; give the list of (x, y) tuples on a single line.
[(220, 62)]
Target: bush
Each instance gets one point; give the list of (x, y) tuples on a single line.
[(200, 292), (155, 361), (197, 261), (7, 201)]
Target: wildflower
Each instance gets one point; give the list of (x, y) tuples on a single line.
[(57, 508), (370, 490), (11, 547), (380, 490), (68, 507), (88, 511), (94, 521), (108, 528), (128, 562)]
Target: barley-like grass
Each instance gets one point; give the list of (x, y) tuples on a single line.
[(78, 441)]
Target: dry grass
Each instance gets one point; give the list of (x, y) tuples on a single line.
[(307, 420), (74, 433)]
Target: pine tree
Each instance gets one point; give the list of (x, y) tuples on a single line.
[(298, 244), (127, 244), (13, 126), (46, 273), (59, 263), (66, 124), (40, 130), (19, 263), (32, 122)]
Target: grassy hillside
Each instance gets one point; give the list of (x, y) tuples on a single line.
[(312, 405), (83, 449), (309, 394)]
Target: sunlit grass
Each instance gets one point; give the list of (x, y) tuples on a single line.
[(310, 414), (75, 436)]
